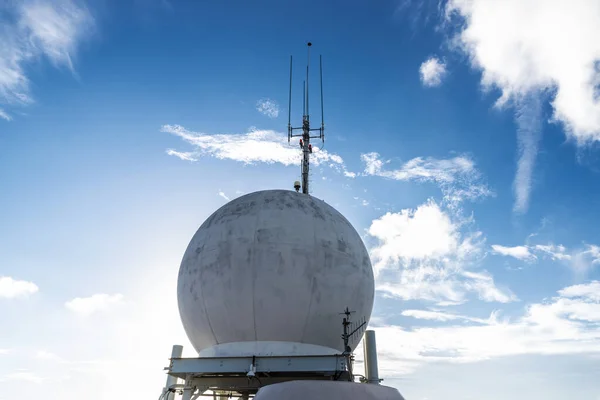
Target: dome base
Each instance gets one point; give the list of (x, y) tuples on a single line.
[(300, 390), (266, 349)]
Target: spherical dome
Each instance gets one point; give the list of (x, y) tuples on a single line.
[(270, 272)]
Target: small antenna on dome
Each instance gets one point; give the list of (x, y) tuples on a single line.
[(305, 136)]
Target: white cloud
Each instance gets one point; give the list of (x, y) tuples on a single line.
[(56, 27), (426, 232), (11, 288), (182, 155), (580, 260), (590, 291), (23, 376), (528, 137), (423, 254), (430, 315), (518, 252), (583, 260), (256, 146), (46, 355), (86, 306), (441, 316), (36, 28), (432, 72), (551, 46), (566, 324), (457, 177), (483, 284), (555, 252), (4, 115), (268, 107), (223, 195)]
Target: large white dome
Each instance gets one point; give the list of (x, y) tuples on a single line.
[(270, 272)]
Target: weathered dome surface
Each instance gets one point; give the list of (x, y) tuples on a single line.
[(270, 267), (330, 390)]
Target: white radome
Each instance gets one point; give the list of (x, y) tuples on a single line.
[(269, 274)]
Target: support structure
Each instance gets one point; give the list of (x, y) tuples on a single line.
[(243, 376), (169, 389), (306, 135), (370, 352)]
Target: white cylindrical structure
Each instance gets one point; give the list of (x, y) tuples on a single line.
[(330, 390), (370, 350), (269, 273), (172, 380)]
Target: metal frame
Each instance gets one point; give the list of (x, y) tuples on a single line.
[(245, 375)]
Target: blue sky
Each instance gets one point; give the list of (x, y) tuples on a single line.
[(461, 143)]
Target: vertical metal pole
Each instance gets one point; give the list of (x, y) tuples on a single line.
[(306, 133), (322, 114), (370, 350), (303, 98), (307, 64), (188, 390), (290, 104), (172, 380), (187, 393)]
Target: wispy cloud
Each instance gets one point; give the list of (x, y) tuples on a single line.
[(182, 155), (35, 28), (46, 355), (581, 260), (440, 316), (518, 252), (556, 252), (528, 136), (268, 107), (590, 291), (86, 306), (566, 324), (4, 115), (23, 376), (458, 177), (432, 71), (256, 146), (12, 288), (423, 254), (223, 195)]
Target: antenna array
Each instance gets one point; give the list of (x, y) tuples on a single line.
[(306, 136), (352, 331)]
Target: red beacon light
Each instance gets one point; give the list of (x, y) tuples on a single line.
[(310, 148), (301, 143)]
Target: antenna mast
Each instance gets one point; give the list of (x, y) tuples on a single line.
[(305, 136)]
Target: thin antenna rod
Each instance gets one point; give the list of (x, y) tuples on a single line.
[(307, 64), (304, 98), (290, 102), (321, 74)]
